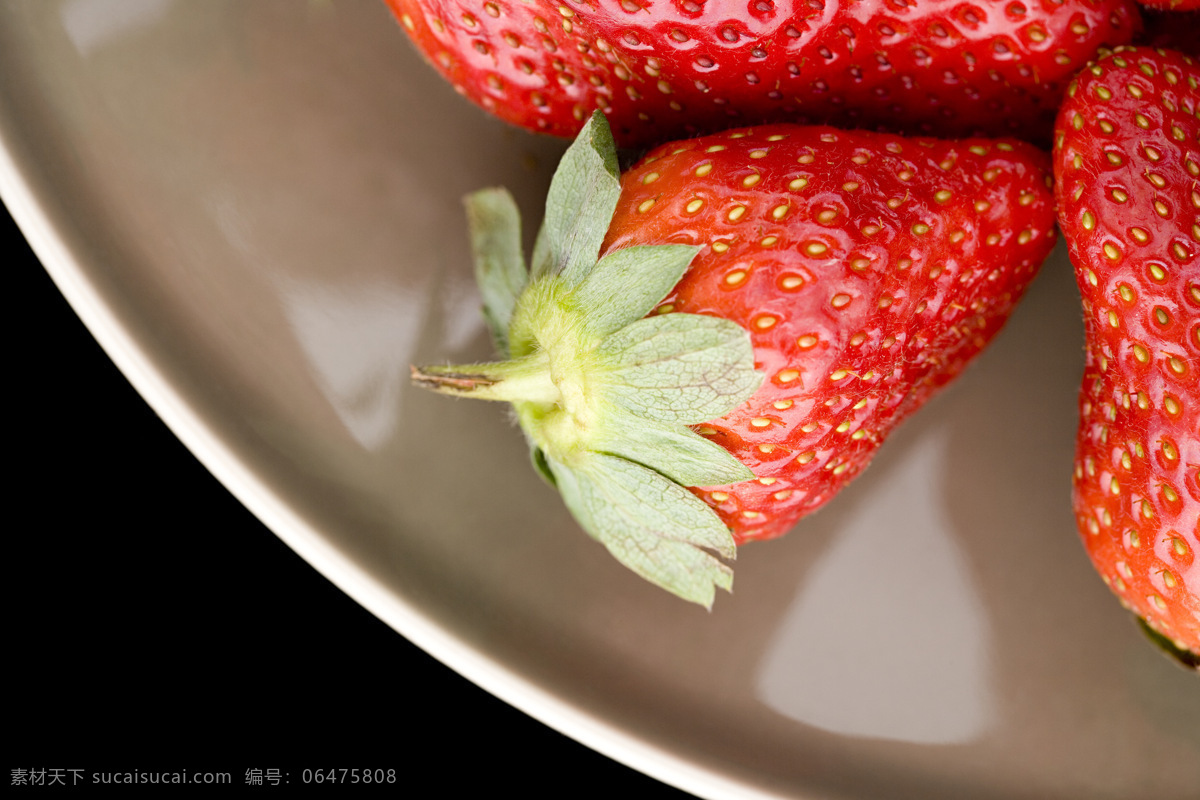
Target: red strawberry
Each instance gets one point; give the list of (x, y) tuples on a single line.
[(1127, 155), (809, 287), (663, 70)]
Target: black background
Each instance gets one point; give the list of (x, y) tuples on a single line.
[(158, 625)]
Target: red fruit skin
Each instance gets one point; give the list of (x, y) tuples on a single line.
[(667, 69), (868, 268), (1127, 158)]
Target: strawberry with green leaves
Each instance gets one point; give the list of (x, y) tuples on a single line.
[(1127, 157), (711, 346), (665, 69)]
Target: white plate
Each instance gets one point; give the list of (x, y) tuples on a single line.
[(255, 208)]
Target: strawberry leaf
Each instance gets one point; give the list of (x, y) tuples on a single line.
[(680, 367), (541, 466), (675, 451), (495, 228), (626, 284), (652, 525), (579, 205)]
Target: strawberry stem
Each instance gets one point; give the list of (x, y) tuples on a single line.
[(525, 379)]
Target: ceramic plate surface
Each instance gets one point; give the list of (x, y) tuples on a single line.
[(256, 208)]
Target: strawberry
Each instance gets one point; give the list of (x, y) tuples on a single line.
[(663, 70), (790, 293), (1127, 157)]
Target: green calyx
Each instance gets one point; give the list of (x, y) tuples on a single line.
[(604, 393)]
